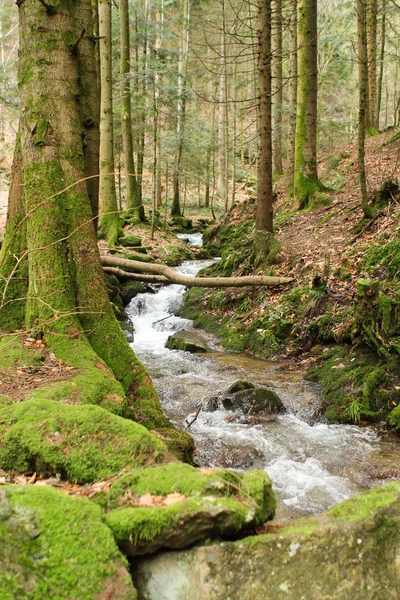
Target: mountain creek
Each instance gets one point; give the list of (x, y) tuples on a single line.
[(313, 465)]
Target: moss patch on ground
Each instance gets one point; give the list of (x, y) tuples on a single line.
[(57, 547), (79, 443)]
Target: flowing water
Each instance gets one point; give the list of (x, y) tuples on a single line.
[(312, 465)]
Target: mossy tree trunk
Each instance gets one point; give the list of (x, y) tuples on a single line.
[(372, 63), (66, 303), (277, 96), (110, 222), (264, 216), (181, 107), (305, 176), (292, 98), (362, 102), (133, 201), (89, 99), (13, 254)]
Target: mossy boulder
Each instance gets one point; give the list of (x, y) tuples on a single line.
[(351, 551), (253, 401), (130, 240), (130, 289), (239, 386), (175, 505), (55, 546), (188, 341), (79, 443)]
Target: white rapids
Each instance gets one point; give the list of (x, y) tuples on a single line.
[(312, 466)]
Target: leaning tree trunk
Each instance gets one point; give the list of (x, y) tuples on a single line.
[(110, 222), (133, 201), (66, 303), (305, 176), (264, 224)]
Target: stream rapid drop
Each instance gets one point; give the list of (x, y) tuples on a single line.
[(312, 466)]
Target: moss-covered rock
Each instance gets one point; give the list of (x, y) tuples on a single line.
[(349, 552), (187, 341), (175, 505), (130, 240), (79, 443), (54, 546)]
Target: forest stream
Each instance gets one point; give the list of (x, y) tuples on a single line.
[(312, 465)]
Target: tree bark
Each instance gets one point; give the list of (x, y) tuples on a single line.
[(372, 49), (277, 96), (67, 302), (181, 108), (133, 202), (89, 99), (362, 102), (292, 98), (264, 212), (173, 277), (381, 63), (110, 222), (305, 176)]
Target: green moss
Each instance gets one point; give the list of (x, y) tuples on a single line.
[(383, 255), (55, 546), (394, 418), (362, 506), (81, 443), (14, 353), (220, 501)]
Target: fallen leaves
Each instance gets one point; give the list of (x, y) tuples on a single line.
[(149, 501)]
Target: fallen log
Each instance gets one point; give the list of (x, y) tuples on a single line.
[(125, 265)]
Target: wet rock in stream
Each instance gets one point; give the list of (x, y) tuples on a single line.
[(249, 404)]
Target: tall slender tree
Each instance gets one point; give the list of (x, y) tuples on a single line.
[(133, 201), (292, 97), (110, 222), (277, 85), (362, 52), (305, 176), (264, 212)]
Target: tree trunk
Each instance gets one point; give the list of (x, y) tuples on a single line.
[(133, 203), (89, 100), (181, 108), (110, 222), (277, 85), (13, 253), (67, 303), (363, 101), (305, 176), (292, 98), (381, 63), (222, 180), (119, 266), (264, 224), (372, 48)]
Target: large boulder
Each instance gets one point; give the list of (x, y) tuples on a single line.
[(189, 341), (351, 551), (176, 505), (54, 546)]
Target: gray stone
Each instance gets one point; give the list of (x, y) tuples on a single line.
[(257, 401), (188, 341), (350, 552)]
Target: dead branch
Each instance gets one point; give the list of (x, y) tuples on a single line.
[(173, 277)]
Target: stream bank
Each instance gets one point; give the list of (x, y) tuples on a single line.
[(312, 464)]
